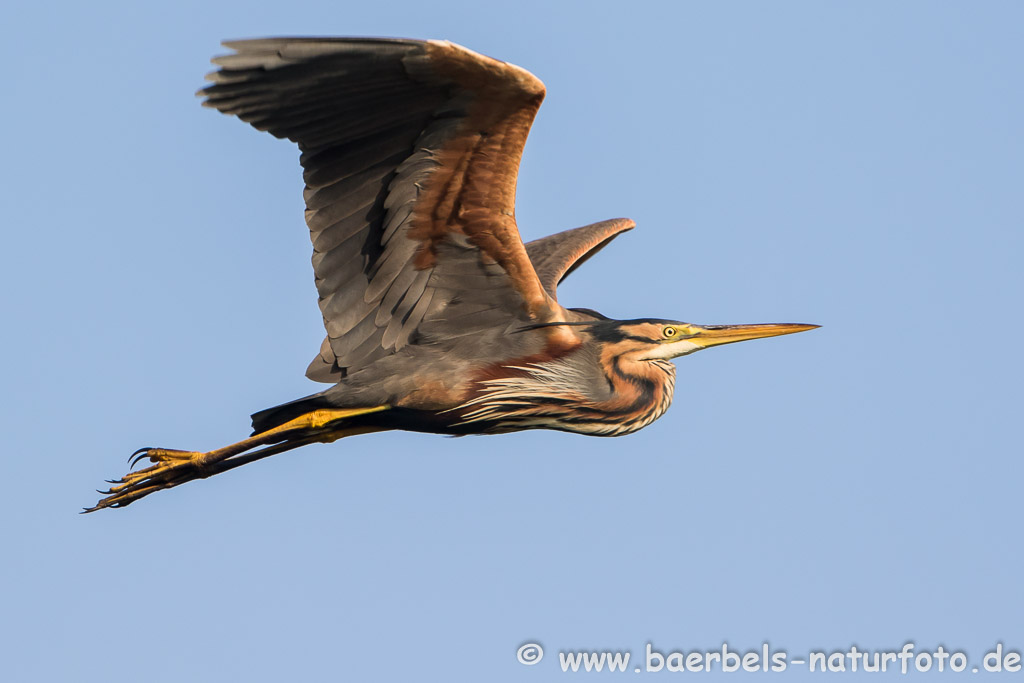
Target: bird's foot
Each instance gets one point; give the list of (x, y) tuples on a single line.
[(169, 469)]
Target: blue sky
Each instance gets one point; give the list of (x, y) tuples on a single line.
[(855, 165)]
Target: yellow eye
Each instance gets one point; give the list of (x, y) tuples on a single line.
[(669, 332)]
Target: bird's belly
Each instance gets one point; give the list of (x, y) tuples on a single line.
[(501, 416)]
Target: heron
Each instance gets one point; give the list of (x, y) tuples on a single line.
[(438, 317)]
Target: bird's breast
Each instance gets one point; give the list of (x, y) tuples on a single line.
[(570, 396)]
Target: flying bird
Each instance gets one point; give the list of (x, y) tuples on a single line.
[(439, 318)]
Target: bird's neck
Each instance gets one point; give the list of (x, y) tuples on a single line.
[(565, 393), (644, 387)]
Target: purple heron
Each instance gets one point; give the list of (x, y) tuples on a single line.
[(439, 319)]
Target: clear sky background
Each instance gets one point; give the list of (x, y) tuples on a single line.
[(856, 165)]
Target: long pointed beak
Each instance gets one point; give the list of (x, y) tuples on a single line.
[(715, 335)]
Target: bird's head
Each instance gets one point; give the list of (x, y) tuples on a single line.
[(651, 339)]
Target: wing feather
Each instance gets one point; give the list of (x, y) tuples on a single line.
[(556, 256), (410, 153)]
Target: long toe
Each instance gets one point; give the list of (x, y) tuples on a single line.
[(169, 469)]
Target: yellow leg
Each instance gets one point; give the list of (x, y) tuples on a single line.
[(318, 419), (174, 467)]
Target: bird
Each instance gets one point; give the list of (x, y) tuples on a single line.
[(438, 317)]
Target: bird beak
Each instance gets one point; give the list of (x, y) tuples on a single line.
[(715, 335)]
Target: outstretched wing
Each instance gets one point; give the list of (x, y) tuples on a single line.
[(410, 153), (555, 256)]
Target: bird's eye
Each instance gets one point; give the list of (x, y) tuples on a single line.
[(669, 332)]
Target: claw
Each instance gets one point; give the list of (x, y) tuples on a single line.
[(172, 468), (141, 450), (137, 457)]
